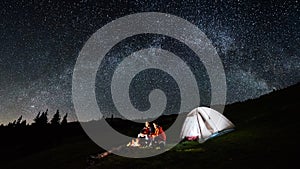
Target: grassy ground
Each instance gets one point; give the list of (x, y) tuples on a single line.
[(266, 141), (262, 140), (266, 136)]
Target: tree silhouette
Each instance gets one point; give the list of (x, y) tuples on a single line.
[(44, 118), (56, 119), (19, 121), (12, 124), (23, 123), (37, 119), (41, 119), (64, 120)]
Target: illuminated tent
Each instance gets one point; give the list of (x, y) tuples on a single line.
[(203, 123)]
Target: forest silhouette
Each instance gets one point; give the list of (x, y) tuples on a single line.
[(19, 138)]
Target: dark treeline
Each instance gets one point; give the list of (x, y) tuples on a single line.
[(18, 139), (40, 120)]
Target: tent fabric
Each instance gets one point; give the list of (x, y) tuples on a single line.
[(204, 122)]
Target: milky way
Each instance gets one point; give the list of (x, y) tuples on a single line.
[(258, 43)]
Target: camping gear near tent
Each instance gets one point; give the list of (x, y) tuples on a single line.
[(203, 123)]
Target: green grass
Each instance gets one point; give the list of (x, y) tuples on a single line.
[(262, 139)]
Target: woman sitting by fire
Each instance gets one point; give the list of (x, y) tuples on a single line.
[(158, 136)]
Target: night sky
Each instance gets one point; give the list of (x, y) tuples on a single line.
[(258, 42)]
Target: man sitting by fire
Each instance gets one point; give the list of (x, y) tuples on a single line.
[(142, 138), (145, 134)]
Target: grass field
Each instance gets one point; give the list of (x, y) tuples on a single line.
[(265, 137)]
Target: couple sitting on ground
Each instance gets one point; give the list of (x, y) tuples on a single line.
[(148, 138)]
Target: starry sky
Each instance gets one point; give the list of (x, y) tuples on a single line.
[(258, 43)]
